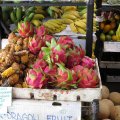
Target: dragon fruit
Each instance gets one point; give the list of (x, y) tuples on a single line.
[(88, 78), (66, 41), (35, 44), (75, 56), (88, 62), (58, 55), (40, 63), (36, 79), (48, 38), (25, 29), (41, 31), (66, 79)]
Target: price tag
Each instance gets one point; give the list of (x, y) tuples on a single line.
[(5, 98), (111, 46)]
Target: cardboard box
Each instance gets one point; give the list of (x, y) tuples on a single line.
[(42, 110)]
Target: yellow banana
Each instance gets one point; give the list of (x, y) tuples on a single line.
[(38, 17), (80, 24), (68, 8), (53, 24), (73, 12), (40, 11), (57, 21), (81, 31), (69, 16), (36, 22), (84, 16), (67, 21), (73, 27), (49, 26)]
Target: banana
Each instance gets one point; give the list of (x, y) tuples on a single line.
[(69, 16), (80, 24), (73, 27), (52, 23), (13, 17), (30, 17), (19, 13), (84, 16), (83, 12), (40, 11), (38, 16), (81, 31), (49, 26), (67, 21), (29, 10), (54, 9), (75, 13), (57, 21), (68, 8), (36, 22)]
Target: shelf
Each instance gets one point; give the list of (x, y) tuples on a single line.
[(44, 3), (107, 7), (110, 64), (111, 47)]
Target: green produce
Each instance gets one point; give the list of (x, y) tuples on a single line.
[(102, 36), (18, 13)]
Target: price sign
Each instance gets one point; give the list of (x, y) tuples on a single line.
[(111, 46), (5, 98)]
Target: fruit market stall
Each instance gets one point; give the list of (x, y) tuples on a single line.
[(46, 71), (107, 47)]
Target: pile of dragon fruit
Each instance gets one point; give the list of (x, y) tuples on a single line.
[(60, 64)]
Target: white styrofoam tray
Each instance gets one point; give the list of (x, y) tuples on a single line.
[(84, 94)]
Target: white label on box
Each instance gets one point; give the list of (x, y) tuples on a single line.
[(111, 46), (5, 98), (42, 110)]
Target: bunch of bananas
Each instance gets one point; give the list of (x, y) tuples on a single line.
[(118, 33), (16, 15), (35, 15), (70, 14), (54, 26), (54, 11)]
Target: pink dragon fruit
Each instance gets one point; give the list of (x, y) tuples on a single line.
[(75, 56), (88, 62), (88, 78), (25, 29), (40, 63), (35, 44), (51, 70), (36, 79), (66, 79), (41, 31), (66, 41), (58, 55), (48, 38)]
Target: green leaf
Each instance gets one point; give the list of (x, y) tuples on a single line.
[(69, 75), (58, 47), (53, 43), (61, 67), (48, 44)]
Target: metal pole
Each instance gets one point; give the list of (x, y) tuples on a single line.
[(89, 34)]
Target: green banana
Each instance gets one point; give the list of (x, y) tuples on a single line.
[(19, 13), (30, 10), (13, 16), (30, 17)]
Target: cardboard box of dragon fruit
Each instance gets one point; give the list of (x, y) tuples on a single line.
[(38, 65)]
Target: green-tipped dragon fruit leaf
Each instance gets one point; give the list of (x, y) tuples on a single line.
[(53, 43), (58, 47), (61, 66), (48, 44), (69, 75)]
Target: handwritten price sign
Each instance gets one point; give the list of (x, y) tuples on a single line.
[(5, 98)]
